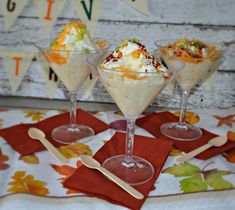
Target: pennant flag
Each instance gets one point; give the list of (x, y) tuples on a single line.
[(48, 11), (88, 11), (16, 64), (51, 79), (140, 5), (11, 9), (209, 82), (88, 86)]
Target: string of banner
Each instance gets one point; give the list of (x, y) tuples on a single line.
[(17, 63)]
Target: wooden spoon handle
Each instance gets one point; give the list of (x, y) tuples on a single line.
[(55, 153), (132, 191), (193, 153)]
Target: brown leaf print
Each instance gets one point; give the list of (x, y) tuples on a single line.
[(3, 159), (228, 120)]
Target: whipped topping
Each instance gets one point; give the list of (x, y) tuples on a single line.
[(131, 55), (74, 36), (200, 60)]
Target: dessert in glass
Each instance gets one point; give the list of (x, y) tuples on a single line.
[(201, 60), (67, 55), (133, 77)]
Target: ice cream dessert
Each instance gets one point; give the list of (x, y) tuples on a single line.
[(68, 53), (133, 77), (200, 60)]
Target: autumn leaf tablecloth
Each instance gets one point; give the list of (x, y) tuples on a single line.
[(40, 174)]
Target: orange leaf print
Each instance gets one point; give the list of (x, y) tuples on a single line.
[(27, 184), (35, 115), (228, 120), (3, 159), (190, 117), (66, 171), (231, 135), (75, 150), (230, 155), (30, 159)]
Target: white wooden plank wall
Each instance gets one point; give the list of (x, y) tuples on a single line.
[(212, 20)]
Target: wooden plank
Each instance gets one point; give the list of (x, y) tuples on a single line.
[(205, 12), (211, 20), (27, 31), (40, 103)]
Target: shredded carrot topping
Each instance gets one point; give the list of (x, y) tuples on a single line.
[(54, 57), (191, 51)]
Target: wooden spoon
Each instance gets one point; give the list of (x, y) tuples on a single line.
[(90, 162), (215, 142), (35, 133)]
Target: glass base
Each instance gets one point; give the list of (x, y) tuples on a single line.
[(136, 173), (180, 132), (67, 135)]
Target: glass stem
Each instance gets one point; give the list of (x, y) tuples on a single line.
[(130, 133), (73, 111), (183, 110)]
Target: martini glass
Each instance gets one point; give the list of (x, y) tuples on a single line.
[(133, 92), (72, 69), (189, 76)]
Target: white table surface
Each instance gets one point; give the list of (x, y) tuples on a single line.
[(214, 200)]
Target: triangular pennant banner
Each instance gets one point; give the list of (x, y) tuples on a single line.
[(48, 11), (140, 5), (88, 11), (51, 79), (16, 64), (88, 86), (209, 82), (11, 9)]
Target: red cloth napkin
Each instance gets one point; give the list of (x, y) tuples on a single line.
[(93, 183), (152, 123), (17, 136)]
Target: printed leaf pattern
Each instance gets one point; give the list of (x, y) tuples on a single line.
[(66, 171), (30, 159), (35, 115), (191, 178), (228, 120), (3, 159), (175, 152), (195, 179), (27, 184), (191, 117), (1, 122), (214, 178), (231, 135), (230, 155), (75, 150)]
